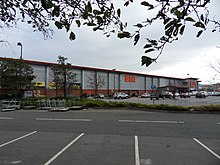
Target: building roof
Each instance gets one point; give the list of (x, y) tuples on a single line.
[(33, 62)]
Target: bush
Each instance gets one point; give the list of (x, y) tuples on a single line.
[(88, 103)]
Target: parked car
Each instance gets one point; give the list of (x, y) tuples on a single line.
[(177, 94), (120, 95), (161, 94), (193, 93), (85, 95), (154, 96), (134, 95), (166, 94), (98, 96), (200, 95), (145, 95), (216, 94), (185, 95), (204, 93)]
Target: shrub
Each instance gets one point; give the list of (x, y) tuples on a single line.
[(88, 103)]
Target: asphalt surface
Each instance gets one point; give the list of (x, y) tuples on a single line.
[(109, 137), (192, 101)]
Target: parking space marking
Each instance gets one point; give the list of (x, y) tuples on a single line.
[(64, 149), (24, 136), (203, 145), (152, 121), (6, 118), (51, 119), (137, 158)]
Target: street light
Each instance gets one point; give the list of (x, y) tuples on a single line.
[(188, 83), (114, 78), (20, 69), (19, 44)]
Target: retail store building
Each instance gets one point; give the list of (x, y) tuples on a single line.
[(112, 81)]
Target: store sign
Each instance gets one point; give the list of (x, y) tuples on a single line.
[(130, 78), (192, 84), (39, 84)]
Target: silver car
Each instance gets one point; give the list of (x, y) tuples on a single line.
[(120, 95)]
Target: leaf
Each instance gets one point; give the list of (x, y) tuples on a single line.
[(24, 3), (59, 25), (176, 30), (147, 46), (97, 12), (85, 14), (190, 19), (136, 38), (126, 3), (171, 23), (46, 4), (199, 24), (149, 50), (139, 25), (99, 19), (119, 12), (181, 2), (153, 42), (124, 35), (78, 23), (214, 30), (176, 12), (144, 3), (199, 33), (91, 24), (202, 17), (72, 36), (56, 11), (166, 21), (89, 7), (146, 61), (182, 29), (169, 31)]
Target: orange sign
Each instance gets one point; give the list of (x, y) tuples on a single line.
[(130, 78)]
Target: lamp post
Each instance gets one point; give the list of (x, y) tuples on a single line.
[(20, 69), (114, 77), (19, 44), (188, 83)]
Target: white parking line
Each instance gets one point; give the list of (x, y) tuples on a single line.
[(6, 118), (137, 158), (152, 121), (51, 119), (18, 139), (212, 152), (64, 149)]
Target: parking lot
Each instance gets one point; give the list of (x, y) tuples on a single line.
[(192, 101), (109, 137)]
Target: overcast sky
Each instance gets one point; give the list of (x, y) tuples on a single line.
[(189, 55)]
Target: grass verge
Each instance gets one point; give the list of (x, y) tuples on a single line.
[(100, 104)]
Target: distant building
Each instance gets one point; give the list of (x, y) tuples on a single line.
[(113, 81)]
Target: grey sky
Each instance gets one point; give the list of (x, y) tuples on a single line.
[(189, 55)]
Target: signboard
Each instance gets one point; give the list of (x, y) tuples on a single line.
[(129, 78), (153, 87), (39, 84)]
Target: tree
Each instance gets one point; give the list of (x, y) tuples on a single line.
[(15, 75), (174, 15), (96, 81), (64, 77)]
